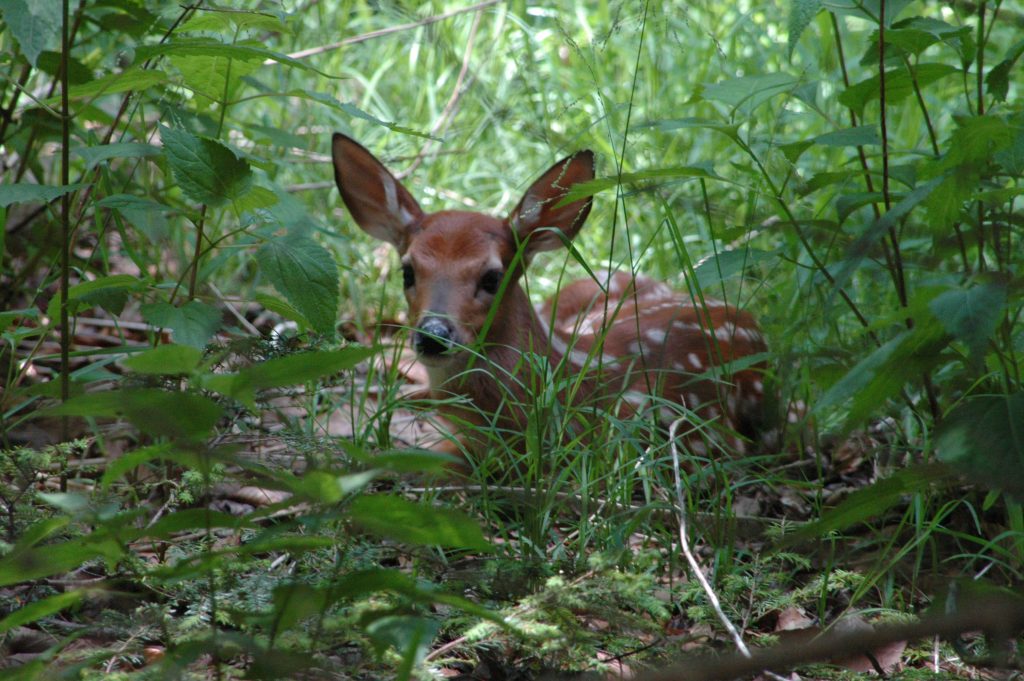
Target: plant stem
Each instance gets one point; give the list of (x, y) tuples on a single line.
[(65, 219)]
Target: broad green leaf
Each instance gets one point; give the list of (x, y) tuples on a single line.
[(998, 79), (210, 47), (35, 24), (193, 323), (179, 416), (750, 91), (863, 135), (410, 635), (104, 152), (52, 559), (222, 21), (294, 602), (880, 376), (729, 130), (206, 170), (413, 523), (193, 519), (37, 610), (367, 582), (871, 503), (133, 79), (983, 438), (214, 78), (582, 190), (355, 112), (145, 215), (284, 371), (110, 293), (1012, 157), (720, 267), (278, 306), (166, 360), (256, 198), (801, 13), (971, 315), (325, 487), (305, 273), (26, 192), (133, 459), (898, 85)]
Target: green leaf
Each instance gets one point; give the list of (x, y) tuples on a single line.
[(871, 502), (863, 135), (355, 112), (998, 79), (582, 190), (880, 376), (215, 78), (750, 91), (26, 192), (32, 612), (95, 155), (166, 360), (410, 635), (284, 371), (413, 523), (280, 307), (729, 130), (206, 170), (971, 315), (801, 13), (110, 293), (133, 79), (222, 21), (898, 85), (193, 323), (35, 24), (180, 416), (210, 47), (147, 216), (983, 438), (303, 272), (720, 267), (126, 462)]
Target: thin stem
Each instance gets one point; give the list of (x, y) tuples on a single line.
[(980, 74), (65, 215)]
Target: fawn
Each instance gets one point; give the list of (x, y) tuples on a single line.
[(623, 343)]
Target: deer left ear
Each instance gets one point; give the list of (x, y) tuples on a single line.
[(539, 208)]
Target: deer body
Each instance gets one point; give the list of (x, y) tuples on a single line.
[(617, 343)]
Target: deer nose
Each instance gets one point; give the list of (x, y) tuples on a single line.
[(434, 336)]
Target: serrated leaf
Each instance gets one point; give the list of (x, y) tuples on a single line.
[(1012, 157), (720, 267), (356, 112), (880, 376), (971, 315), (45, 607), (193, 323), (26, 192), (221, 21), (182, 416), (801, 13), (214, 79), (284, 371), (210, 47), (303, 272), (898, 85), (110, 293), (750, 92), (983, 438), (35, 24), (413, 523), (95, 155), (133, 79), (166, 360), (870, 502), (863, 135), (998, 79), (206, 170), (145, 215), (278, 306), (582, 190)]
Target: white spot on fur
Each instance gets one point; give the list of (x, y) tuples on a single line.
[(694, 359), (655, 336), (692, 400), (758, 387)]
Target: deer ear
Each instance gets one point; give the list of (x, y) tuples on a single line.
[(379, 204), (539, 209)]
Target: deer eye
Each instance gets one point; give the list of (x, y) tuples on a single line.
[(491, 281), (408, 276)]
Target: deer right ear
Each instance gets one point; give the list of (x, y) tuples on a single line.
[(379, 204)]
